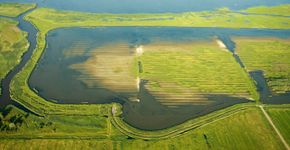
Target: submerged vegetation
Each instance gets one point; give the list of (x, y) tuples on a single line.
[(269, 55), (184, 73), (14, 9), (13, 44)]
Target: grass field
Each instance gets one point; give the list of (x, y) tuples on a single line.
[(282, 10), (273, 59), (281, 117), (182, 73), (224, 133), (13, 44), (14, 9)]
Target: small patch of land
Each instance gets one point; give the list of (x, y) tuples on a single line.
[(13, 44), (14, 9), (270, 55), (281, 10)]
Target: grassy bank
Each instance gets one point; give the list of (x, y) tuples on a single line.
[(13, 44), (14, 9), (273, 59)]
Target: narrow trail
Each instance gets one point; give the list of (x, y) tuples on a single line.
[(275, 128)]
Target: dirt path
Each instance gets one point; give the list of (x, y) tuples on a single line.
[(272, 124)]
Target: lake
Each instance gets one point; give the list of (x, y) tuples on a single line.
[(79, 66)]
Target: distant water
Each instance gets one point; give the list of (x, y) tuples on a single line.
[(149, 6)]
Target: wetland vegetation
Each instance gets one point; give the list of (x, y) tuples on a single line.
[(186, 74)]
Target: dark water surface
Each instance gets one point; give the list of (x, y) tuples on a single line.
[(149, 6), (55, 80)]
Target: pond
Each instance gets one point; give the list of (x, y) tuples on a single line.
[(93, 65)]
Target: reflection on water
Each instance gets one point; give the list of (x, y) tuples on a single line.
[(101, 65)]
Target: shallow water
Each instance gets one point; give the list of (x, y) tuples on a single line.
[(149, 6), (70, 81)]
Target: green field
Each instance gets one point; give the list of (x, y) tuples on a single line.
[(181, 73), (281, 10), (14, 9), (13, 44), (273, 59), (281, 117), (223, 133)]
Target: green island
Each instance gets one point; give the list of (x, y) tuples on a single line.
[(47, 125), (13, 44), (14, 9), (47, 19), (280, 10)]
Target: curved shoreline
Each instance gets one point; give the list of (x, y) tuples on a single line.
[(37, 104)]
